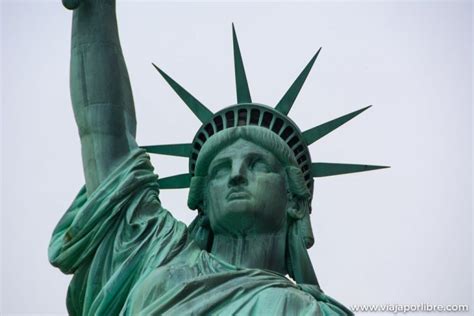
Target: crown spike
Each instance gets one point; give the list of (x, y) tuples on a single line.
[(285, 104), (324, 169), (179, 181), (202, 112), (180, 150), (243, 92), (318, 132)]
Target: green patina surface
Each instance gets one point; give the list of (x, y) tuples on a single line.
[(251, 182)]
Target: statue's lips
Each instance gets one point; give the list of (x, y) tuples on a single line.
[(237, 195)]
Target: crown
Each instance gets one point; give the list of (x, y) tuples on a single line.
[(246, 113)]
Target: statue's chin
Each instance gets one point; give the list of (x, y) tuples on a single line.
[(244, 215), (236, 217), (243, 205)]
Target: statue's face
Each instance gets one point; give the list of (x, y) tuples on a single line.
[(246, 191)]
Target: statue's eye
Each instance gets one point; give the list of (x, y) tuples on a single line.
[(220, 170), (260, 165)]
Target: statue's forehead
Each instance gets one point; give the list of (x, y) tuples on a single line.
[(241, 146), (242, 149)]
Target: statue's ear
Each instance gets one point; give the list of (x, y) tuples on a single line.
[(296, 207), (298, 210)]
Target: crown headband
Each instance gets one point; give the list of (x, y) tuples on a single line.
[(246, 113)]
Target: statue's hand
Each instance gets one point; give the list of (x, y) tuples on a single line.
[(72, 4)]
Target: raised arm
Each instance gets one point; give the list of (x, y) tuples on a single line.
[(100, 89)]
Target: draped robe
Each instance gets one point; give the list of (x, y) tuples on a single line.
[(130, 256)]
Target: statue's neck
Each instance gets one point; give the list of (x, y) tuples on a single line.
[(260, 251)]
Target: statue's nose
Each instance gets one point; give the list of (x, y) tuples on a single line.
[(238, 175), (237, 180)]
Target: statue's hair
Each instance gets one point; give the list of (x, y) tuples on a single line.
[(268, 140)]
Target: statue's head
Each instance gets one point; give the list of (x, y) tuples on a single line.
[(247, 181), (250, 170)]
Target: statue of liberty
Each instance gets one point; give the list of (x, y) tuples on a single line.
[(250, 180)]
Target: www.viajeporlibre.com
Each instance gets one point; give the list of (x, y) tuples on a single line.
[(410, 308)]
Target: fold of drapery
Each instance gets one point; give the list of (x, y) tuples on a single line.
[(112, 237)]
